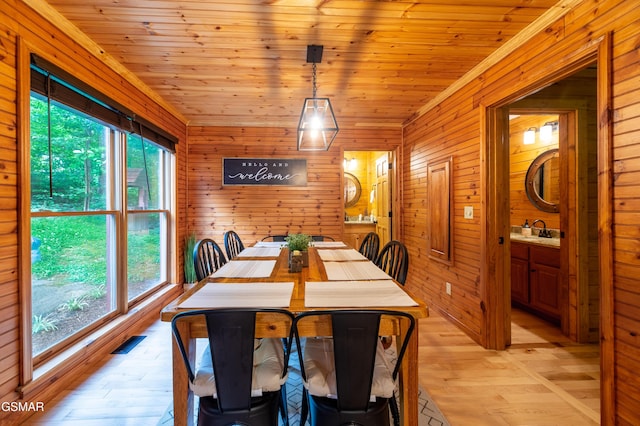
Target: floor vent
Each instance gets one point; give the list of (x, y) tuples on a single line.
[(129, 344)]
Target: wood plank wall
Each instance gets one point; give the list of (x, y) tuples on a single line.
[(20, 24), (257, 211), (455, 127), (442, 132), (9, 295)]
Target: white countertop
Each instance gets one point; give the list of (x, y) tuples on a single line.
[(534, 239)]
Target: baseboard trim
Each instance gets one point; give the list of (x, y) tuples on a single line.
[(474, 336)]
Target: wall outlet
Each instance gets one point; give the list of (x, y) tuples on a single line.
[(447, 287), (468, 212)]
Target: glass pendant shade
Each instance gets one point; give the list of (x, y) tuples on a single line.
[(317, 127)]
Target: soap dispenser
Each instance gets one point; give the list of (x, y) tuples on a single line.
[(526, 229)]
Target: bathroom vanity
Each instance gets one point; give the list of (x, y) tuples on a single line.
[(535, 276), (354, 232)]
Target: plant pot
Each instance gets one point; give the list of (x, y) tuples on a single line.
[(305, 258), (302, 259), (295, 262)]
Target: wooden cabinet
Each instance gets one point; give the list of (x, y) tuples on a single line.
[(520, 273), (535, 279), (544, 280), (354, 232)]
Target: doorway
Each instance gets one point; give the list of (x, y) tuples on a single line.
[(567, 109), (537, 210), (497, 251), (368, 195)]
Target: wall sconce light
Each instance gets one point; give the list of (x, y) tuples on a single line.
[(350, 164), (530, 136), (317, 127), (546, 131)]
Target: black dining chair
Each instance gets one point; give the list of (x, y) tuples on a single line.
[(232, 244), (275, 238), (370, 246), (207, 258), (240, 380), (348, 380), (394, 260), (321, 238)]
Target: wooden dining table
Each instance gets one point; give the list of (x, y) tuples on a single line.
[(183, 398)]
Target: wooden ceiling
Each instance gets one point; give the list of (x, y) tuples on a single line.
[(243, 63)]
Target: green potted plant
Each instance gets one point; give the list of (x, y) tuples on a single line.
[(189, 268), (299, 243)]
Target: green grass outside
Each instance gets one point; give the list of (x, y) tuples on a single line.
[(74, 249)]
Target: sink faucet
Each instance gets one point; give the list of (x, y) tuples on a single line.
[(544, 232)]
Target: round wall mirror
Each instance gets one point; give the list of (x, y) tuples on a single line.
[(542, 182), (352, 190)]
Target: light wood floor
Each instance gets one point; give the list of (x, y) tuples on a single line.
[(543, 379)]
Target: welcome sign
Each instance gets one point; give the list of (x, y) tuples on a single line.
[(264, 171)]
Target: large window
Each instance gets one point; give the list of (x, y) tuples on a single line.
[(146, 220), (100, 209)]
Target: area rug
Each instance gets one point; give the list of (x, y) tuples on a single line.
[(428, 412)]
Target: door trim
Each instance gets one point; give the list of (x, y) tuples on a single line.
[(494, 268)]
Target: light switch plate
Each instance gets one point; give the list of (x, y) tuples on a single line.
[(468, 212)]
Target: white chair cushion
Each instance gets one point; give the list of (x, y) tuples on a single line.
[(268, 363), (321, 374)]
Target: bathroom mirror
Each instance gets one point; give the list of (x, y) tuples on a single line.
[(541, 182), (352, 190)]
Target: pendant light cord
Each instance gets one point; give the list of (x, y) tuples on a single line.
[(49, 135), (146, 169), (313, 71)]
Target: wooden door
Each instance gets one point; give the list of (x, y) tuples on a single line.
[(383, 185)]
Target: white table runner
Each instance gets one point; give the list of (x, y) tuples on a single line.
[(274, 244), (342, 294), (246, 269), (325, 244), (349, 271), (241, 295), (260, 252), (340, 255)]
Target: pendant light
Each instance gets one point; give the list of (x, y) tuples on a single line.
[(317, 127)]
